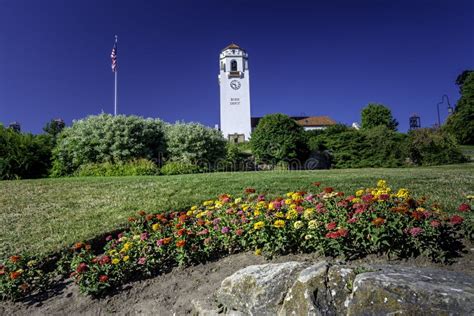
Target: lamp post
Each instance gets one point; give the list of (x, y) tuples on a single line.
[(450, 109)]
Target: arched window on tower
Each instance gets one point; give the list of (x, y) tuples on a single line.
[(233, 65)]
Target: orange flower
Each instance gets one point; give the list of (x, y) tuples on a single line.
[(166, 240), (15, 259), (183, 218), (131, 219), (15, 275), (149, 217), (378, 221), (180, 243), (317, 184), (141, 213), (78, 245), (328, 190)]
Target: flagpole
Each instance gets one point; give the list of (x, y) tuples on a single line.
[(115, 98)]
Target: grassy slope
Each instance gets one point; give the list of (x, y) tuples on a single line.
[(45, 215)]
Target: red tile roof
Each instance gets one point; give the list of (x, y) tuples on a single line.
[(316, 121), (233, 46)]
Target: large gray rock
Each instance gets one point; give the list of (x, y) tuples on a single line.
[(411, 291), (258, 289), (339, 287), (307, 296)]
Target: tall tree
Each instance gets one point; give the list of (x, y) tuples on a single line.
[(461, 123), (54, 127), (375, 114)]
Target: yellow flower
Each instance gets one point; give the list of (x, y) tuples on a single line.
[(359, 193), (258, 252), (296, 196), (279, 223), (238, 200), (112, 252), (382, 184), (218, 204), (125, 259), (271, 206), (207, 203), (308, 213), (356, 200), (194, 207), (288, 201), (258, 225), (136, 237), (312, 224), (257, 213), (31, 263), (128, 245), (292, 214), (155, 227), (279, 214), (245, 207), (189, 213), (289, 194), (298, 224), (115, 260), (307, 237), (403, 193)]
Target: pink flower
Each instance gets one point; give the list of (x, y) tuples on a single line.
[(81, 267), (331, 226), (144, 236), (333, 235), (229, 211), (216, 221), (342, 232), (141, 261), (108, 238), (352, 220), (456, 219), (225, 230), (203, 232), (159, 242), (207, 241), (367, 198), (239, 232), (415, 231), (384, 197), (464, 207), (261, 197), (434, 223)]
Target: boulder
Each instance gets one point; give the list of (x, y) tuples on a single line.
[(411, 291), (258, 289), (339, 287), (307, 295)]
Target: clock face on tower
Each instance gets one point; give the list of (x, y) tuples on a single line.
[(235, 84)]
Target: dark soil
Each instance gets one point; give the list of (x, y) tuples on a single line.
[(172, 293)]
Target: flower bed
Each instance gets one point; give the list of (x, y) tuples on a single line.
[(373, 220)]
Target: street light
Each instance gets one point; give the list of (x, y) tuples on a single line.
[(450, 109)]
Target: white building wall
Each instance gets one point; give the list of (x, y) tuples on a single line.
[(234, 103)]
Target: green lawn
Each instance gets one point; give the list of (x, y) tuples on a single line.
[(47, 214)]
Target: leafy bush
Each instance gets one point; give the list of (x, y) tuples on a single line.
[(23, 155), (136, 167), (238, 158), (278, 138), (179, 167), (107, 138), (374, 115), (195, 144), (433, 147), (373, 221), (351, 148), (461, 123)]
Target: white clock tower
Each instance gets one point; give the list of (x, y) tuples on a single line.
[(235, 93)]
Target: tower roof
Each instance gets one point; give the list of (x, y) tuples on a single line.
[(233, 46)]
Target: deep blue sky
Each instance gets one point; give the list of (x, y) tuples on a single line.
[(316, 57)]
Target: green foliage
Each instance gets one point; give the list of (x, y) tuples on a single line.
[(53, 128), (461, 122), (23, 155), (374, 115), (238, 158), (107, 138), (433, 147), (178, 167), (136, 167), (278, 138), (351, 148), (196, 144)]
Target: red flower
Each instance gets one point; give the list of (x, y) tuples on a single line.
[(456, 219), (2, 270), (104, 260), (181, 232), (149, 217), (141, 261), (132, 219), (328, 190), (342, 232), (378, 221), (15, 259), (78, 246), (384, 197), (180, 243), (331, 226), (317, 184), (15, 275), (367, 198), (434, 223), (183, 218), (239, 232), (340, 193), (200, 222), (464, 207), (352, 220), (417, 215), (249, 190), (141, 213), (81, 267), (103, 278), (333, 235)]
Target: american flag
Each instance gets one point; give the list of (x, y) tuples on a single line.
[(113, 55)]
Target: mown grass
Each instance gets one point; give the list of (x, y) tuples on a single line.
[(42, 216)]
